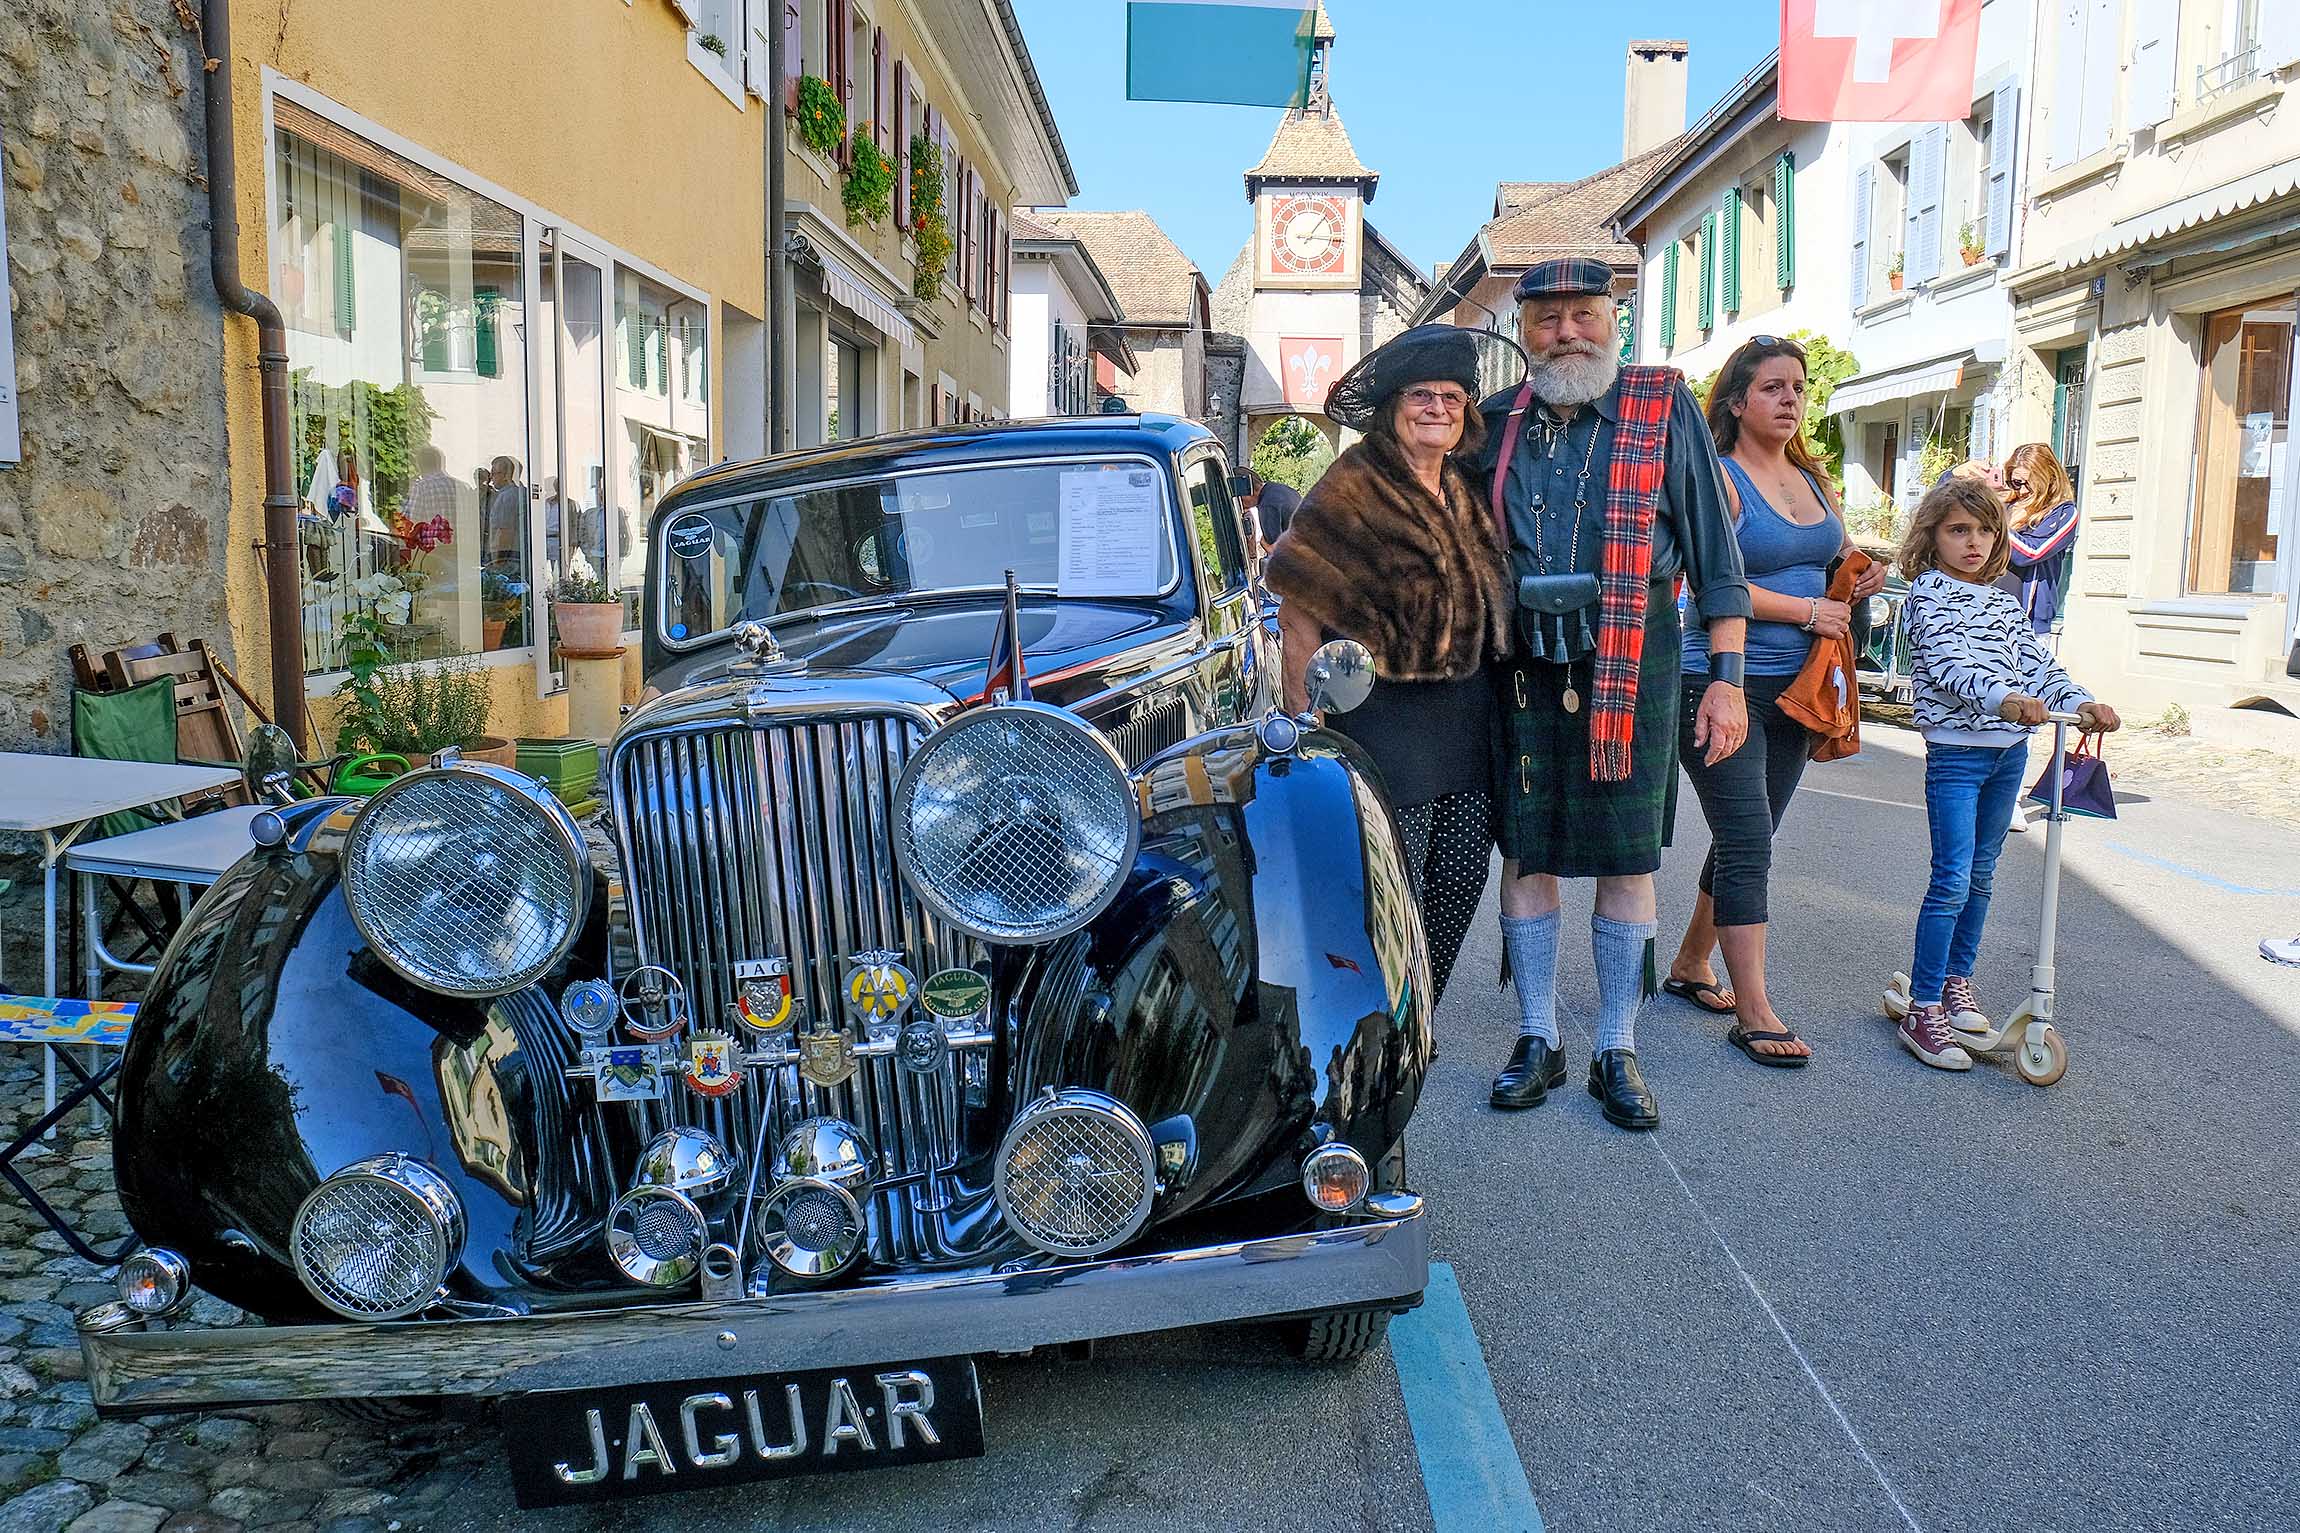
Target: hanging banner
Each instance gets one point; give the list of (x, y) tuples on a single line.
[(1878, 60), (1242, 52)]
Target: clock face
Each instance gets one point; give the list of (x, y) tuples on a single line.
[(1309, 234)]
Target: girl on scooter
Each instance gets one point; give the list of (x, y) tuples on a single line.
[(1983, 681)]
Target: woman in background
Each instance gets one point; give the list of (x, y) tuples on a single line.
[(2040, 511)]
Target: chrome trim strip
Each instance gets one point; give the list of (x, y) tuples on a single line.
[(1373, 1263)]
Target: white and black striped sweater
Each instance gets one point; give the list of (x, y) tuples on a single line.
[(1970, 648)]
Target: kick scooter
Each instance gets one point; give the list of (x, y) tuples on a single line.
[(2040, 1054)]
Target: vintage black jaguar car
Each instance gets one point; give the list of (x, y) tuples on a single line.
[(890, 1016)]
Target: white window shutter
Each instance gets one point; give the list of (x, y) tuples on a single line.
[(1928, 162), (2279, 34), (1982, 444), (2155, 47), (1864, 183), (2103, 62), (2066, 104), (2004, 139), (757, 15)]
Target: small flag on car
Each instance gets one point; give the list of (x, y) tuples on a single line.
[(1007, 672), (1240, 52)]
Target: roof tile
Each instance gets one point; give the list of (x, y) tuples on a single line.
[(1153, 280)]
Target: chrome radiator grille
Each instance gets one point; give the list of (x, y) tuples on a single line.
[(755, 842)]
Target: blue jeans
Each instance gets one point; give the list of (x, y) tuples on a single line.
[(1970, 791)]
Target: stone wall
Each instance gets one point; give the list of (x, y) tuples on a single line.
[(113, 526)]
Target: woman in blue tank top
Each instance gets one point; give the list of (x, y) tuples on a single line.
[(1790, 535)]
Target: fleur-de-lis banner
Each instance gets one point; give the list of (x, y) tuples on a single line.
[(1311, 366)]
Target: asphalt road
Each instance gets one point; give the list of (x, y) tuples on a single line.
[(1863, 1295)]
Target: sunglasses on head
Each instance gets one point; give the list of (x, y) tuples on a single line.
[(1778, 343)]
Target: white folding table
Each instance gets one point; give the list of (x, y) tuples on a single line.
[(193, 853), (56, 798)]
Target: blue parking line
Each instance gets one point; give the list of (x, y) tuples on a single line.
[(1469, 1464), (2198, 875)]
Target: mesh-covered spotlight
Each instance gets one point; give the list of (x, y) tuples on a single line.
[(376, 1240), (1016, 823), (1075, 1173), (810, 1228), (469, 880), (656, 1236)]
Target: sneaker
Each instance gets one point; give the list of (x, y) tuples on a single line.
[(1964, 1008), (1925, 1032), (2281, 952)]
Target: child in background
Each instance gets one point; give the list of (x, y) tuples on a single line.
[(1982, 682)]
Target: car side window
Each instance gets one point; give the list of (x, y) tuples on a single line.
[(1214, 517)]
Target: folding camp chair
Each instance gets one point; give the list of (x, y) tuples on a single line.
[(137, 724), (205, 732)]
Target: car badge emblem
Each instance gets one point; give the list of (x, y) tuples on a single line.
[(628, 1074), (826, 1057), (878, 988), (921, 1046), (654, 1003), (711, 1068), (763, 993), (955, 995)]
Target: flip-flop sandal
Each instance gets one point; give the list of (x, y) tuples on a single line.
[(1747, 1041), (1694, 989)]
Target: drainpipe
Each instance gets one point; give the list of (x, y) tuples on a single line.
[(781, 362), (282, 585)]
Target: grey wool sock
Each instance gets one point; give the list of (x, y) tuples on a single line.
[(1620, 950), (1532, 944)]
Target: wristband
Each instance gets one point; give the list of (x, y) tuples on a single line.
[(1728, 669), (1812, 615)]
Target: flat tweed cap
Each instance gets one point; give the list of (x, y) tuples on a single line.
[(1566, 277)]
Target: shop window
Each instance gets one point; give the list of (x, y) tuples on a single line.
[(408, 398), (2242, 466), (662, 410)]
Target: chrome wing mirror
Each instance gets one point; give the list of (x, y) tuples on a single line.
[(1340, 677)]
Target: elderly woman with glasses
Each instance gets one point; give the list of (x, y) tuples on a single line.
[(1790, 533), (1393, 548)]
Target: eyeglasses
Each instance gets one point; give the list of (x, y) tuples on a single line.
[(2019, 485), (1778, 343), (1452, 401)]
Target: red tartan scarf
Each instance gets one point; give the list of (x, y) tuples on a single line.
[(1632, 493)]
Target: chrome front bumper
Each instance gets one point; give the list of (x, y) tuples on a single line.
[(1382, 1260)]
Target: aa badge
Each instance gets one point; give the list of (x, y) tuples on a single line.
[(878, 988), (826, 1057), (711, 1068), (921, 1046), (763, 993)]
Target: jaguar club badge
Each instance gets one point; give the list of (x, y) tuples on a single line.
[(826, 1057), (711, 1068), (763, 993), (955, 995), (921, 1046), (878, 988)]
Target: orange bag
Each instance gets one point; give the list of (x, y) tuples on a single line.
[(1826, 696)]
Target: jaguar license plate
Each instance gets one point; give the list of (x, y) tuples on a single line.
[(604, 1444)]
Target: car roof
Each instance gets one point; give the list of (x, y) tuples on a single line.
[(987, 441)]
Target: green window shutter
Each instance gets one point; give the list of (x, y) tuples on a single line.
[(1669, 297), (431, 317), (1731, 214), (1785, 222), (1705, 252), (634, 349), (486, 338), (346, 280), (663, 356)]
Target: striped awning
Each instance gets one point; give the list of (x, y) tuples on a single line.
[(2218, 202), (851, 291)]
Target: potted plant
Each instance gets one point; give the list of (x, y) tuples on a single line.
[(822, 119), (1893, 272), (499, 598), (929, 226), (1969, 244), (412, 710), (868, 190), (712, 42), (589, 615)]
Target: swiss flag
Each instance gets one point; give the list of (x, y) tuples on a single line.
[(1878, 60)]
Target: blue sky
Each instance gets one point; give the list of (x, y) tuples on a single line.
[(1443, 97)]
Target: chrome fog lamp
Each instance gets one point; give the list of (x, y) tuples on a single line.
[(1335, 1178), (1878, 611), (376, 1240), (827, 1150), (656, 1236), (155, 1283), (688, 1160), (1016, 823), (810, 1228), (469, 880), (1075, 1173)]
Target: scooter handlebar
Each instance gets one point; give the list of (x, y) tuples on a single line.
[(2064, 718)]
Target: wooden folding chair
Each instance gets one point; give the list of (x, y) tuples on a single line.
[(205, 731)]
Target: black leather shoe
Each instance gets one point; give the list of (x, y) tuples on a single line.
[(1533, 1068), (1621, 1092)]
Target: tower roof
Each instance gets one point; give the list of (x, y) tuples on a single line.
[(1311, 145)]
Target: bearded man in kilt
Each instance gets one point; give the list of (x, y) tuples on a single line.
[(1609, 485)]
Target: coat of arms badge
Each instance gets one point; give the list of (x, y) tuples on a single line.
[(712, 1070), (826, 1056)]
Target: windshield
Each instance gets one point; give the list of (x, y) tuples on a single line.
[(1097, 527)]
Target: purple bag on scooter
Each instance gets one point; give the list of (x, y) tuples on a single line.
[(2084, 782)]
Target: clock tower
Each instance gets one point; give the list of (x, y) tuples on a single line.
[(1309, 194)]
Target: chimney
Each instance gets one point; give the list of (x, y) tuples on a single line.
[(1653, 105)]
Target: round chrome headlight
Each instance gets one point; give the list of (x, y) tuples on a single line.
[(375, 1240), (810, 1228), (1074, 1173), (685, 1159), (1878, 611), (468, 880), (1016, 823), (656, 1236), (155, 1282)]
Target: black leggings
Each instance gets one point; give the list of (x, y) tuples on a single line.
[(1449, 847), (1744, 796)]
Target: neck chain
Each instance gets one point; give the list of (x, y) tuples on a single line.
[(1580, 504)]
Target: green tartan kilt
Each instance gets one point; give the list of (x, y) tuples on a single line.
[(1550, 817)]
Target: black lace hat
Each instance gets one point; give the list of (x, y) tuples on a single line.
[(1480, 361)]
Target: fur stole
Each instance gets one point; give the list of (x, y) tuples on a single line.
[(1372, 556)]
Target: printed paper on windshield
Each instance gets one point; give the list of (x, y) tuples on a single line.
[(1110, 532)]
